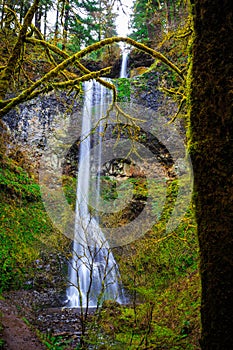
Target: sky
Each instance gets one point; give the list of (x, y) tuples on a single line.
[(123, 19)]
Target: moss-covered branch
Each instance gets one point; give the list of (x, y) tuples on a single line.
[(181, 104), (80, 66), (25, 96), (47, 79), (14, 18), (108, 41), (8, 73)]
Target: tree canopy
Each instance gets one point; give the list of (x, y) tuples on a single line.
[(58, 76)]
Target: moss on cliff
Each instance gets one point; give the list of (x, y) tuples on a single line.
[(25, 231)]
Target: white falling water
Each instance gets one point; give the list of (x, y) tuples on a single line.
[(93, 272), (123, 73)]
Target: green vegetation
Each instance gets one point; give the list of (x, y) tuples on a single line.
[(25, 227), (123, 89), (168, 319), (53, 342), (161, 276), (69, 184), (160, 273)]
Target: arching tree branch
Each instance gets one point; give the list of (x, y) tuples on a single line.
[(47, 82)]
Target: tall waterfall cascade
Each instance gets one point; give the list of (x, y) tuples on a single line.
[(93, 272), (123, 72)]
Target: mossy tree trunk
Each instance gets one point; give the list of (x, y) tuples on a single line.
[(211, 146)]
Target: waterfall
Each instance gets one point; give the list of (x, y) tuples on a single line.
[(93, 271), (123, 73)]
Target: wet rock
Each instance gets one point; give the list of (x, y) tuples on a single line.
[(138, 59), (32, 122), (40, 311)]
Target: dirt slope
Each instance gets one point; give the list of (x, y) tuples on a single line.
[(16, 334)]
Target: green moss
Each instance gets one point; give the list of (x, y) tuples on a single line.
[(123, 89), (69, 185), (24, 225), (168, 319), (15, 183)]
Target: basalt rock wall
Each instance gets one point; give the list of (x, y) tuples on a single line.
[(56, 118)]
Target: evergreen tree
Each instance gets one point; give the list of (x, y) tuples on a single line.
[(66, 7), (151, 19), (81, 23)]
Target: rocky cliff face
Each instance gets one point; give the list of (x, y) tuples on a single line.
[(31, 122), (57, 116)]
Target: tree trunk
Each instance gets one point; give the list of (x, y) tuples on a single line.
[(38, 16), (66, 24), (56, 24), (211, 147), (168, 15), (45, 19)]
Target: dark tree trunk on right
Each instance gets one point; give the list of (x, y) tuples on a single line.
[(211, 147)]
